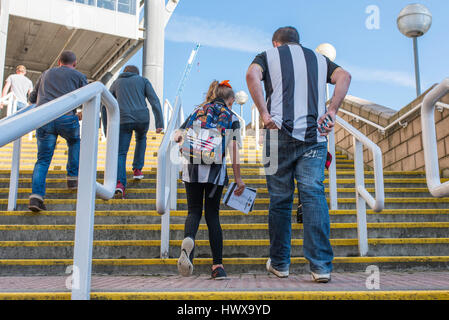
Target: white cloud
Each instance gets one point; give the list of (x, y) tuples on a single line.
[(217, 34), (390, 77)]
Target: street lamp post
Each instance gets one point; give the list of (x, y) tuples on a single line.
[(241, 98), (413, 22), (329, 51)]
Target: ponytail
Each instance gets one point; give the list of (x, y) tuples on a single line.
[(218, 91)]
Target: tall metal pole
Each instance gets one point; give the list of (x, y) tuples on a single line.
[(417, 75), (154, 46)]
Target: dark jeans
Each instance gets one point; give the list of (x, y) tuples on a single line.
[(126, 132), (305, 163), (67, 127), (197, 195)]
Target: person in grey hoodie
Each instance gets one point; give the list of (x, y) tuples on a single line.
[(131, 91)]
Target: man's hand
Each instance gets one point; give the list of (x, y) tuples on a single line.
[(177, 137), (159, 130), (240, 187), (268, 121), (330, 124)]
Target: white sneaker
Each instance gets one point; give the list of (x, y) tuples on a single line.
[(280, 274), (321, 278), (185, 266)]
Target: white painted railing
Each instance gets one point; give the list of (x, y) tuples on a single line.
[(362, 195), (90, 96), (255, 124), (11, 103), (436, 188), (439, 106), (167, 177)]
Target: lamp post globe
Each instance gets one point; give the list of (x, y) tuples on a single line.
[(413, 22), (328, 50), (241, 98)]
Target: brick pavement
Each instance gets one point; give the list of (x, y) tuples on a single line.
[(389, 281)]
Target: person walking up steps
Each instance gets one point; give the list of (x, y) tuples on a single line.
[(204, 183), (131, 90), (20, 85), (52, 84), (295, 111)]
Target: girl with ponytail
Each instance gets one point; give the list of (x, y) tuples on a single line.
[(204, 183)]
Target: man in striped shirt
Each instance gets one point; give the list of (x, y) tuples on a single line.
[(295, 113)]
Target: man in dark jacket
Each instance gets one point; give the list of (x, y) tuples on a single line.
[(131, 90), (52, 84)]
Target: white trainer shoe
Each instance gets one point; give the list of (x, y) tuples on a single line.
[(321, 278), (185, 266), (280, 274)]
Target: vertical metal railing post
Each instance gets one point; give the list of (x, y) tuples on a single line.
[(14, 175), (362, 231), (333, 192), (85, 204)]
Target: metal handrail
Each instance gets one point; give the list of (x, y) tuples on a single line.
[(242, 123), (436, 188), (90, 96), (362, 195), (439, 105), (167, 178)]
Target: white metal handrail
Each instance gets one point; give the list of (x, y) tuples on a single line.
[(362, 195), (167, 178), (436, 188), (242, 123), (255, 124), (90, 96), (439, 105)]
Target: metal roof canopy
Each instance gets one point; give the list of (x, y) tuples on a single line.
[(37, 45)]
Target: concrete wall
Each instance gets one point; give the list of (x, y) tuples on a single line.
[(401, 147)]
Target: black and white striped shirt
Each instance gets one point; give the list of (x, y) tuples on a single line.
[(295, 83)]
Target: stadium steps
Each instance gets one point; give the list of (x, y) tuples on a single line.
[(410, 234)]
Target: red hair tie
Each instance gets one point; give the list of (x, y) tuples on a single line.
[(225, 83)]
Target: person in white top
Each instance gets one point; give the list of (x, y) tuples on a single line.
[(20, 85)]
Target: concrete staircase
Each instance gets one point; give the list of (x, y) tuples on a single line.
[(411, 233)]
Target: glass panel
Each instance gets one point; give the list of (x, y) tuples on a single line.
[(89, 2), (107, 4), (127, 6)]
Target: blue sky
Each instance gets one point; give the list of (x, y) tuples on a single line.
[(232, 32)]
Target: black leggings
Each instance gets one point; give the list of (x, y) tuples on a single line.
[(197, 195)]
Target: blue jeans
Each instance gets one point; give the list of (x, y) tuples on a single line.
[(304, 162), (67, 127), (126, 132)]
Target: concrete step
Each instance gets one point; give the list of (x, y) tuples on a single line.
[(150, 193), (260, 204), (151, 267), (255, 173), (226, 217), (260, 184), (144, 249), (232, 231)]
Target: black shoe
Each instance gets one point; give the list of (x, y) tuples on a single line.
[(37, 205), (299, 214), (219, 274), (72, 184)]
